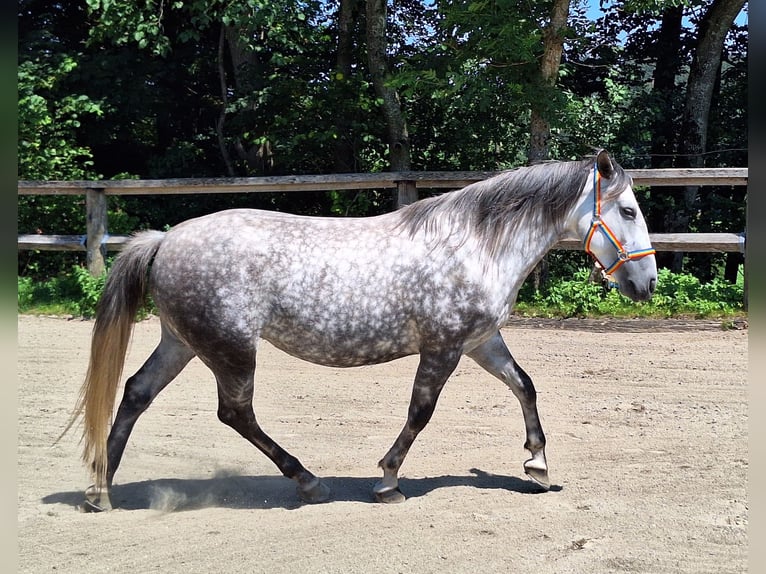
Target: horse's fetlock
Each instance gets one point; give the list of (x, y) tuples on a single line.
[(534, 446)]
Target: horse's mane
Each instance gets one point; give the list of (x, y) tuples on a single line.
[(494, 209)]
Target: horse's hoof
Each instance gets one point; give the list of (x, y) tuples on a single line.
[(392, 496), (537, 474), (88, 506), (315, 493), (96, 500)]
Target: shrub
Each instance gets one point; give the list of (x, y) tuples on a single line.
[(676, 294), (77, 293)]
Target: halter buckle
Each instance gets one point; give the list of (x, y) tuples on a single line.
[(609, 282), (599, 276)]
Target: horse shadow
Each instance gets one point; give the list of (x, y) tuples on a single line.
[(267, 492)]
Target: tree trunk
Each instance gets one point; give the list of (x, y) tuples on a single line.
[(539, 121), (398, 137), (664, 128), (247, 68), (713, 27), (668, 54), (344, 144), (221, 121), (553, 46), (706, 62), (245, 62)]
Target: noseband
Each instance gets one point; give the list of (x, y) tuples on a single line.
[(599, 224)]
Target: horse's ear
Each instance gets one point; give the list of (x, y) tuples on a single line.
[(604, 164)]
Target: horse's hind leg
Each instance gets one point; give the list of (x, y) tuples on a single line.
[(433, 371), (495, 358), (235, 409), (162, 366)]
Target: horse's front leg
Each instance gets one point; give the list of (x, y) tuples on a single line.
[(433, 371), (495, 357)]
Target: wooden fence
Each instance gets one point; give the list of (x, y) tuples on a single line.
[(96, 240)]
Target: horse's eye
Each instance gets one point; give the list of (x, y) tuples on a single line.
[(628, 212)]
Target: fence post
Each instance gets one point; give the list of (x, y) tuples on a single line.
[(745, 266), (406, 193), (96, 228)]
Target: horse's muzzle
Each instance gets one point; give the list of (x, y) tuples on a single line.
[(638, 291)]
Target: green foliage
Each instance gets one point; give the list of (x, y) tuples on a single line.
[(469, 90), (52, 115), (684, 293), (49, 120), (75, 293), (261, 102), (677, 294), (362, 203), (90, 289), (597, 117), (654, 7), (195, 88)]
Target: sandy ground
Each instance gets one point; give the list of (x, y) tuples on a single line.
[(647, 444)]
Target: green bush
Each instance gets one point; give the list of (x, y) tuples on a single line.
[(677, 294), (76, 293), (89, 290), (681, 294)]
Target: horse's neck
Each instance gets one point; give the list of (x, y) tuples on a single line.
[(518, 257), (530, 242)]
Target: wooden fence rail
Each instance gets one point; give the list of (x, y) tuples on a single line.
[(96, 241)]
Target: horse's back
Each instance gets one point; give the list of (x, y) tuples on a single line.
[(315, 287), (252, 249)]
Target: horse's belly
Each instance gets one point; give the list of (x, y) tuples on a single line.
[(333, 346)]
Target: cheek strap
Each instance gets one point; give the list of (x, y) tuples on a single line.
[(598, 224)]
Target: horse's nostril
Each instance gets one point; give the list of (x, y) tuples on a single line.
[(652, 285)]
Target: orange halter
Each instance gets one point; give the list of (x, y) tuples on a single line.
[(599, 224)]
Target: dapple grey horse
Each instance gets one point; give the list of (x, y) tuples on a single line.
[(437, 278)]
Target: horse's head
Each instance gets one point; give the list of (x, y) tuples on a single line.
[(612, 228)]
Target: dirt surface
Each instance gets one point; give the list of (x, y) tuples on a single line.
[(647, 446)]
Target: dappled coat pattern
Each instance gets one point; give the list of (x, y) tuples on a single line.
[(437, 278)]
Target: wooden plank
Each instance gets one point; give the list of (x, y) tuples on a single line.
[(690, 242), (446, 179), (57, 187), (51, 242), (699, 242), (690, 176), (286, 183), (385, 180), (659, 177), (66, 242), (687, 242)]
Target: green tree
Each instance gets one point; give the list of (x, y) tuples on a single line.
[(172, 88), (553, 33), (51, 113), (646, 49), (267, 68), (49, 120), (703, 82)]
